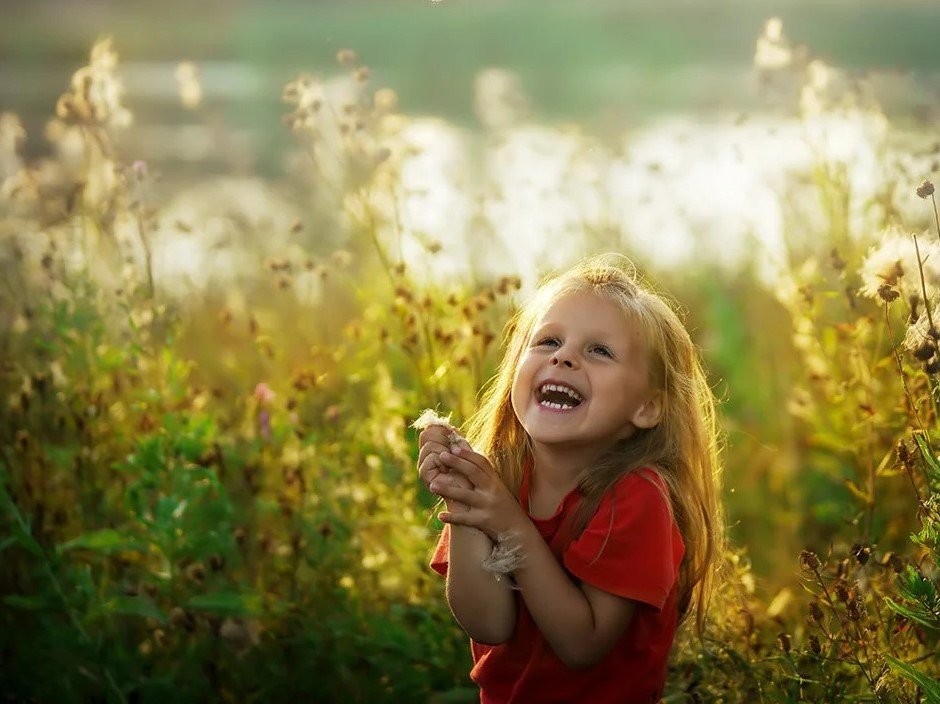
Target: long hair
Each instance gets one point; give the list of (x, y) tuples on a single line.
[(683, 448)]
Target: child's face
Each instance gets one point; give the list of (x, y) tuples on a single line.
[(586, 343)]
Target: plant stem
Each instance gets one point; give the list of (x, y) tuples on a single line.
[(923, 286)]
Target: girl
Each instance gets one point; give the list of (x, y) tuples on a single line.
[(584, 524)]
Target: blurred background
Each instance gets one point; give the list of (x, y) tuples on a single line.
[(608, 65)]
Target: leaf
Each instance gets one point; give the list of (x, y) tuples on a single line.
[(929, 686), (917, 616), (130, 606), (106, 541), (227, 603), (932, 464), (36, 602)]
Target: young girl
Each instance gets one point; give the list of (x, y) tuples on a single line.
[(584, 524)]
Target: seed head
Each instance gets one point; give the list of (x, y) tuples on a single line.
[(925, 351), (861, 552), (855, 609), (842, 592), (809, 560), (783, 640), (814, 645), (925, 189), (815, 611), (887, 293)]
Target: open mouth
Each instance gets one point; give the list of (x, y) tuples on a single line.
[(558, 397)]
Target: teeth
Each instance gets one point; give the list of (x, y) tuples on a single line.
[(556, 406), (564, 389)]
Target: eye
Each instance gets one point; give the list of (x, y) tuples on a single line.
[(603, 350), (547, 341)]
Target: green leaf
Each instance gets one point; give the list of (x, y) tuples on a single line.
[(929, 686), (130, 606), (932, 464), (226, 602), (921, 617), (106, 541), (36, 602)]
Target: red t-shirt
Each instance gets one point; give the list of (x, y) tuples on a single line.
[(640, 561)]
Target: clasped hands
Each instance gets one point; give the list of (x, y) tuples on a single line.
[(465, 479)]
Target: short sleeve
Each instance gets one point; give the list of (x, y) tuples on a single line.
[(441, 552), (631, 547)]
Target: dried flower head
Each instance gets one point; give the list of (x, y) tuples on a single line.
[(925, 189), (861, 552), (887, 294), (814, 645), (809, 560), (894, 262)]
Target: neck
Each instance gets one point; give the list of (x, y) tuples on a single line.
[(558, 468)]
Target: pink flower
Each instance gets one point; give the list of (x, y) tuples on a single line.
[(263, 393)]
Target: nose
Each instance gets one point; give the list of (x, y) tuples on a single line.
[(561, 357)]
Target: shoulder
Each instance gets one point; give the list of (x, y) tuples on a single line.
[(638, 484)]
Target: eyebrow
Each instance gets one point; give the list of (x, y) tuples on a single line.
[(595, 335)]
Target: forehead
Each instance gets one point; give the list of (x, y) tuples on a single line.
[(589, 312)]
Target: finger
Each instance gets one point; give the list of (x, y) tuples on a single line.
[(476, 458), (430, 447), (428, 470), (435, 433), (468, 469), (459, 519), (450, 491)]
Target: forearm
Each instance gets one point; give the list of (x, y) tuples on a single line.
[(484, 607), (558, 606)]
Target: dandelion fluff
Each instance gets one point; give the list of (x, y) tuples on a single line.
[(894, 262)]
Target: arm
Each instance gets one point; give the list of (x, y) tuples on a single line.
[(484, 608), (580, 622)]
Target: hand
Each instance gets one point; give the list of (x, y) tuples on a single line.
[(492, 507), (431, 442)]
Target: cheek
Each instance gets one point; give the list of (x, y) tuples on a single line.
[(521, 385)]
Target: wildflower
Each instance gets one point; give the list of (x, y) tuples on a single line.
[(783, 640), (887, 294), (855, 609), (814, 645), (815, 611), (861, 552), (925, 189), (263, 393), (809, 560), (842, 592), (362, 74), (894, 262)]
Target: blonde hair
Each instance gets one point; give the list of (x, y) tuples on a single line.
[(683, 448)]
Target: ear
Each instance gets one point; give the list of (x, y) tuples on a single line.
[(649, 413)]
